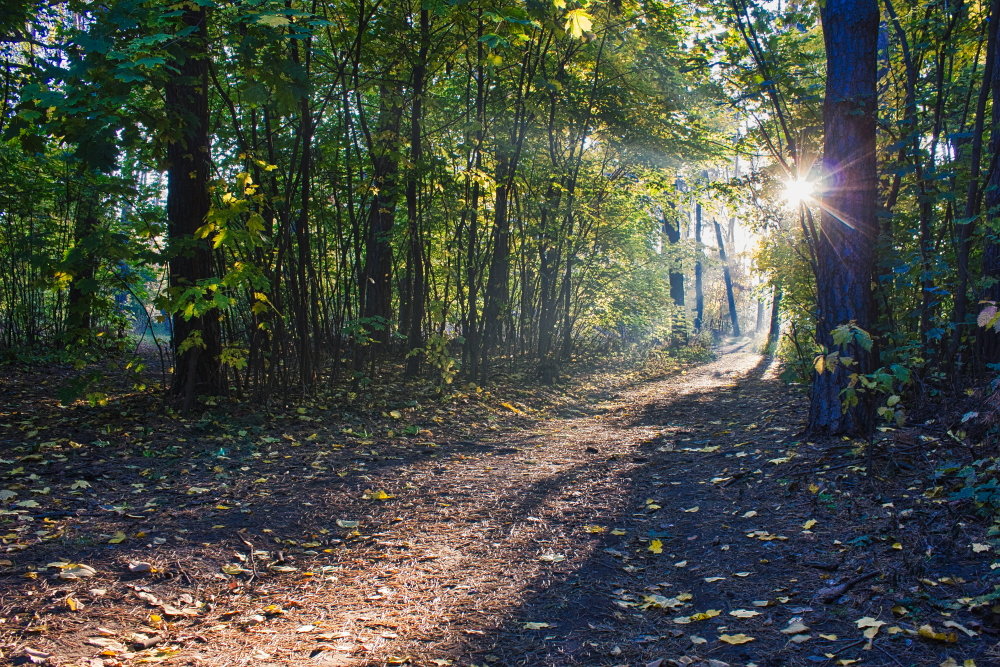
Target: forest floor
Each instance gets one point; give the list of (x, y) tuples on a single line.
[(674, 520)]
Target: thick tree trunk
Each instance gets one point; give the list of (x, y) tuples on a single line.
[(83, 265), (989, 339), (376, 277), (196, 340), (672, 230), (846, 245)]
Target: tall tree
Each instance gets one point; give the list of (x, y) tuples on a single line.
[(196, 340), (848, 226)]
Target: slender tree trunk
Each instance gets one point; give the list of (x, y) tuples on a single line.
[(774, 330), (699, 290), (196, 339), (728, 278), (417, 286), (967, 226), (846, 244)]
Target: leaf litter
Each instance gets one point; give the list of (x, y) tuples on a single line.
[(227, 528)]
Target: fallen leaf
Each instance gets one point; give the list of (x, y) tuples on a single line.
[(735, 639), (809, 524), (594, 529), (870, 625), (376, 495), (550, 557), (959, 626), (691, 509), (118, 538), (656, 546), (928, 632), (744, 613), (76, 571), (979, 548), (348, 524), (795, 628), (536, 626)]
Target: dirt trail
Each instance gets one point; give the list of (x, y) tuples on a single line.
[(680, 519), (479, 545)]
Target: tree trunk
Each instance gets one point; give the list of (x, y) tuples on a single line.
[(83, 265), (989, 339), (728, 277), (196, 339), (376, 277), (846, 244), (774, 330), (415, 257), (699, 290)]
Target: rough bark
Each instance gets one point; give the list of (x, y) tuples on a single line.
[(197, 369), (848, 224)]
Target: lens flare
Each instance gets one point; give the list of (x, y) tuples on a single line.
[(798, 192)]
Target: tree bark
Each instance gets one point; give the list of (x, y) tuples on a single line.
[(846, 244), (728, 278), (196, 340), (989, 339), (415, 258)]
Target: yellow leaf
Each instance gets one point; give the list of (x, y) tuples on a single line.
[(117, 538), (376, 495), (73, 603), (705, 615), (870, 625), (829, 638), (594, 529), (513, 408), (618, 531), (692, 509), (578, 22), (656, 547), (735, 639), (395, 414), (813, 488), (928, 632), (809, 524)]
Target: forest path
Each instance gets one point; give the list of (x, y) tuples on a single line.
[(681, 519), (550, 526)]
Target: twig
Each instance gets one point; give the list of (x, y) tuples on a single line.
[(826, 595)]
